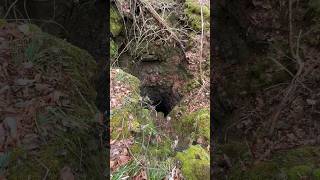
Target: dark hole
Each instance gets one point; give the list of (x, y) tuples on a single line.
[(162, 98), (163, 106)]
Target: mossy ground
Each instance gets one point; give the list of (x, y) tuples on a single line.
[(195, 162), (132, 119), (192, 126), (75, 146)]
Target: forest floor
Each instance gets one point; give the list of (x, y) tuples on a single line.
[(268, 90)]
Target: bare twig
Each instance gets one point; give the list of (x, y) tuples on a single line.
[(162, 22), (9, 9), (293, 85)]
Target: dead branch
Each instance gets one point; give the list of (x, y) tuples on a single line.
[(293, 85), (162, 23)]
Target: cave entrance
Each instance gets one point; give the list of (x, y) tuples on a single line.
[(162, 98)]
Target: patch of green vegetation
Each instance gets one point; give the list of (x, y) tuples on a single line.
[(129, 80), (113, 49), (195, 162), (132, 169), (193, 125), (159, 150), (116, 24), (124, 122), (193, 12)]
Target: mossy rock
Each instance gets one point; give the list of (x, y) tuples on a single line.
[(48, 54), (130, 118), (195, 162), (116, 24), (193, 12), (191, 126)]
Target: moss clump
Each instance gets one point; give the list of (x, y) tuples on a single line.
[(193, 12), (116, 25), (298, 172), (195, 163), (194, 125), (124, 122)]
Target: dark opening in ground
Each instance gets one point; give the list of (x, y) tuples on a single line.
[(163, 98)]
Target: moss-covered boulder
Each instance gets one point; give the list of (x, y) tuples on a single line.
[(191, 126), (195, 162), (62, 131)]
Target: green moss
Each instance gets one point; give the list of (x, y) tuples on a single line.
[(192, 126), (124, 122), (193, 12), (195, 163), (298, 172), (129, 80), (113, 49), (158, 150), (116, 25)]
